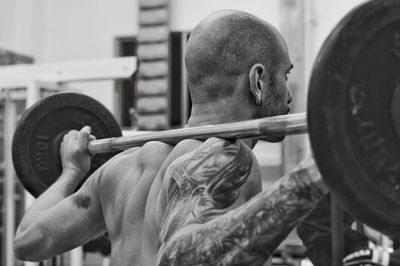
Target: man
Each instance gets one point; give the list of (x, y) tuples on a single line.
[(196, 203)]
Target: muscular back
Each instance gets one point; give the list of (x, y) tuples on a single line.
[(151, 193), (124, 187)]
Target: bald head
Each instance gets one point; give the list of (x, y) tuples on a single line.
[(224, 46)]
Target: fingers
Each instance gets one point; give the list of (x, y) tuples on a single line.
[(84, 135), (72, 134)]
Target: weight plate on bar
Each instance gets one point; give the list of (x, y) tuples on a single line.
[(37, 138), (353, 112)]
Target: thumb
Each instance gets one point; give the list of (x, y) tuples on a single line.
[(83, 136)]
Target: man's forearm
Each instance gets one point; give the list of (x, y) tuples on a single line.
[(249, 234)]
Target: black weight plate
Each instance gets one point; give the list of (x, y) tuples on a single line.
[(37, 138), (352, 122)]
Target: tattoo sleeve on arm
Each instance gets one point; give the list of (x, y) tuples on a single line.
[(245, 236)]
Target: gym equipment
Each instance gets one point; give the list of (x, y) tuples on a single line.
[(353, 120), (37, 138), (354, 113)]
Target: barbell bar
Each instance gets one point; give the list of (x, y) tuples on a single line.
[(256, 128)]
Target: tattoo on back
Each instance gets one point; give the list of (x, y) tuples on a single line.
[(204, 183), (196, 229), (82, 201)]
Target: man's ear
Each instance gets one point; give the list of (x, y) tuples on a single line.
[(257, 80)]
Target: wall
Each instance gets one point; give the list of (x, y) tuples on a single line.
[(79, 30), (185, 14), (84, 29), (16, 26), (59, 30), (324, 15), (321, 15)]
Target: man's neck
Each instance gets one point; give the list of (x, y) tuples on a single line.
[(212, 115), (205, 118)]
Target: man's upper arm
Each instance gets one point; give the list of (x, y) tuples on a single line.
[(74, 220), (83, 210)]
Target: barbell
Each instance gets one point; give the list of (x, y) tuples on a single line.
[(353, 119)]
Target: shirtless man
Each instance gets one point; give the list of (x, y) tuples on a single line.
[(196, 203)]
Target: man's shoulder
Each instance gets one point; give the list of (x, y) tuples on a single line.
[(211, 178), (133, 162), (152, 153), (145, 156), (215, 163), (214, 149)]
